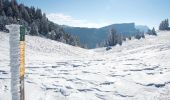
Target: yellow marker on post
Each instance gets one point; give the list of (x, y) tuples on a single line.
[(22, 51), (22, 61), (22, 58)]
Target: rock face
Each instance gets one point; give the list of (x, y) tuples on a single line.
[(92, 36)]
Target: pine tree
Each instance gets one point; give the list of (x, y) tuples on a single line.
[(38, 14), (1, 23), (113, 38), (167, 24), (52, 35), (161, 26), (14, 3), (6, 4), (24, 13), (10, 20), (51, 26), (1, 7), (44, 25), (9, 12), (164, 25), (153, 31), (120, 38), (3, 13), (16, 12), (14, 20), (32, 13), (34, 29)]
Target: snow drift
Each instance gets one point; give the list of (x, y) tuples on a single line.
[(137, 70)]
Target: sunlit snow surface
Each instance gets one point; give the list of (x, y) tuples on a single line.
[(137, 70)]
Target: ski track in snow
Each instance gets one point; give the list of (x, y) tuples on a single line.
[(137, 70)]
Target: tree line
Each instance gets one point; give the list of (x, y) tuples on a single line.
[(115, 38), (164, 25), (34, 20)]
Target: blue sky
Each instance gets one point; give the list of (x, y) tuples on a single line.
[(98, 13)]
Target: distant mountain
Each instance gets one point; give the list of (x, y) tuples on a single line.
[(142, 28), (92, 36)]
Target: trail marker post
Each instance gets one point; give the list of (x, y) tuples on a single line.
[(22, 62), (17, 60)]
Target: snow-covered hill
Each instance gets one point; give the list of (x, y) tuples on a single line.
[(137, 70)]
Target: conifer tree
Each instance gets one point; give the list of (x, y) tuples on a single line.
[(9, 12), (34, 29), (153, 31), (164, 25), (1, 7)]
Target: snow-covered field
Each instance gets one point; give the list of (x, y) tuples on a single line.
[(137, 70)]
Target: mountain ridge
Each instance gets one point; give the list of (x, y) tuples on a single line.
[(93, 36)]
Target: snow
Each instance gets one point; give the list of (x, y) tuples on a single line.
[(14, 60), (137, 70)]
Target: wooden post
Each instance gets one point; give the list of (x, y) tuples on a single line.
[(22, 62)]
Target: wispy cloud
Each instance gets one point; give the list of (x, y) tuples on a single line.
[(62, 19)]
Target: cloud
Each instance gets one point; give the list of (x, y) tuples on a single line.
[(62, 19)]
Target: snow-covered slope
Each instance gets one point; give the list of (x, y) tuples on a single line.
[(137, 70)]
